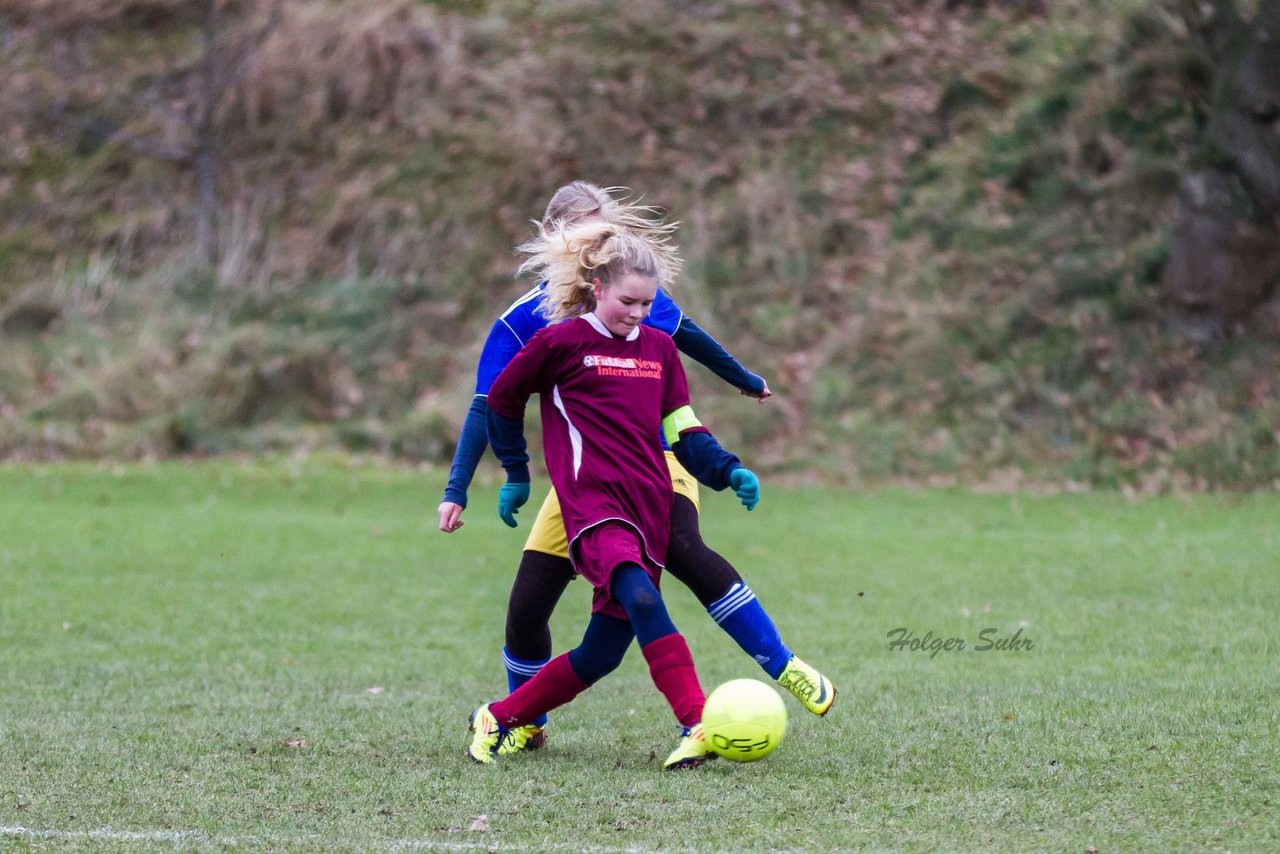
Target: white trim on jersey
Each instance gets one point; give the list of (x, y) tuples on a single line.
[(575, 438), (533, 293), (644, 543), (598, 325), (514, 334)]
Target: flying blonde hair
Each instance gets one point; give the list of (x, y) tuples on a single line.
[(580, 200), (569, 259)]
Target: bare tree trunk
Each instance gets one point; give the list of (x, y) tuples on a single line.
[(205, 154), (1224, 261)]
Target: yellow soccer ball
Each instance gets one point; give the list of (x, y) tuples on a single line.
[(744, 720)]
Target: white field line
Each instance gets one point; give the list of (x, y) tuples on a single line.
[(107, 834)]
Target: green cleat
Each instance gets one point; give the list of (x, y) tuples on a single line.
[(692, 751), (487, 736), (527, 737), (808, 686)]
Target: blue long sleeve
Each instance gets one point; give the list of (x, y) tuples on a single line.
[(506, 435), (694, 342), (700, 453), (472, 441)]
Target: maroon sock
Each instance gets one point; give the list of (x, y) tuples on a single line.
[(553, 686), (671, 666)]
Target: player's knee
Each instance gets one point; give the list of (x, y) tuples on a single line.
[(644, 604), (633, 587)]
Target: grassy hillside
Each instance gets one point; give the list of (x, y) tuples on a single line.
[(936, 228)]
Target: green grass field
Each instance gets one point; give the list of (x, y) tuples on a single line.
[(280, 655)]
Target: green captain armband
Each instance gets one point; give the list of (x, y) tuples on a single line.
[(675, 423)]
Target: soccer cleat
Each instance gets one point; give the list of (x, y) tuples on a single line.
[(808, 686), (487, 736), (692, 751), (527, 737)]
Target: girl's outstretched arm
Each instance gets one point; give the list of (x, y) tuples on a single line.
[(697, 344)]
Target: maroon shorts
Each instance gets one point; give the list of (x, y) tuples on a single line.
[(598, 551)]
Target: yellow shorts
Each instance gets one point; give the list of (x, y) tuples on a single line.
[(548, 533)]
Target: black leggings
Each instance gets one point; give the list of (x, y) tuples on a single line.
[(542, 579)]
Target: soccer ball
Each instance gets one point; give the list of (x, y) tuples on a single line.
[(744, 720)]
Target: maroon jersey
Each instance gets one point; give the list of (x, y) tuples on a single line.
[(603, 400)]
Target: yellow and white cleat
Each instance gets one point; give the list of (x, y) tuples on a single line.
[(521, 738), (487, 737), (808, 686), (692, 751)]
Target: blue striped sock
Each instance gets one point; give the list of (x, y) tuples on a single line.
[(520, 671), (743, 618)]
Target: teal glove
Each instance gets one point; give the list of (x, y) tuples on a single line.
[(747, 486), (511, 498)]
